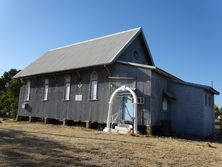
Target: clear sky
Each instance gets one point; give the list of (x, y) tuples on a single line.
[(184, 36)]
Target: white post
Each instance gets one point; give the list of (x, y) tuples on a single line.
[(135, 118), (109, 117)]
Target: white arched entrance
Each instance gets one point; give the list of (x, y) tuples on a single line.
[(122, 88)]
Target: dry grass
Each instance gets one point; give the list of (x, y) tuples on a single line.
[(36, 144)]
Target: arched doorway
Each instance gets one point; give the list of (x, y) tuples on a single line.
[(121, 89)]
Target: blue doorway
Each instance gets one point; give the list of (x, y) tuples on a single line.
[(127, 112)]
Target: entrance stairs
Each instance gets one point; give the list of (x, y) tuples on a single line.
[(122, 129)]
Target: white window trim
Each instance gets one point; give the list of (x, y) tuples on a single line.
[(46, 90), (28, 90), (67, 91), (67, 88), (93, 92)]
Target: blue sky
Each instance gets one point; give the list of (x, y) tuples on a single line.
[(184, 36)]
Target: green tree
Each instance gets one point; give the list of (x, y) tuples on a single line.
[(218, 111), (6, 78), (9, 93)]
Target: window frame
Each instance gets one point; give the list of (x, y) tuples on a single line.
[(93, 88), (209, 100), (165, 104), (67, 88), (206, 100), (46, 89), (27, 90)]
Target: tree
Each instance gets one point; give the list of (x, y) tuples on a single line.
[(218, 111), (6, 78), (9, 93)]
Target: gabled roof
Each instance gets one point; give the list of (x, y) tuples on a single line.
[(94, 52)]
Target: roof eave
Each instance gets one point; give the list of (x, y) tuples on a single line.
[(147, 46), (166, 74), (214, 91), (205, 87), (62, 71), (136, 64)]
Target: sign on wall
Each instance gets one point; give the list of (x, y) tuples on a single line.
[(78, 97)]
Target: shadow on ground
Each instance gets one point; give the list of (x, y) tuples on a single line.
[(217, 138), (18, 148)]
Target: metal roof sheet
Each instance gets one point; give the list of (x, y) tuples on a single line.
[(205, 87), (98, 51)]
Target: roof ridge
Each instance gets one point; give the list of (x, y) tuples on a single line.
[(93, 39)]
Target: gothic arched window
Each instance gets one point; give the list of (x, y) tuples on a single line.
[(93, 85)]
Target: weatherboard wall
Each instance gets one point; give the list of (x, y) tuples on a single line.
[(209, 115), (86, 110), (141, 83), (58, 108), (159, 84), (187, 111)]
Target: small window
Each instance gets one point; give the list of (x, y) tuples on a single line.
[(135, 55), (93, 85), (165, 104), (67, 87), (209, 101), (28, 89), (46, 90)]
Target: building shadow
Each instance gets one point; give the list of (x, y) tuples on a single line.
[(18, 148), (217, 138)]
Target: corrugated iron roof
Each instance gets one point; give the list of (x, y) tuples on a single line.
[(205, 87), (166, 74), (98, 51)]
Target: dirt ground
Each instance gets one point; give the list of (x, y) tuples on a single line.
[(37, 144)]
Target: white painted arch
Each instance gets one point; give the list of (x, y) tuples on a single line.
[(120, 89)]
